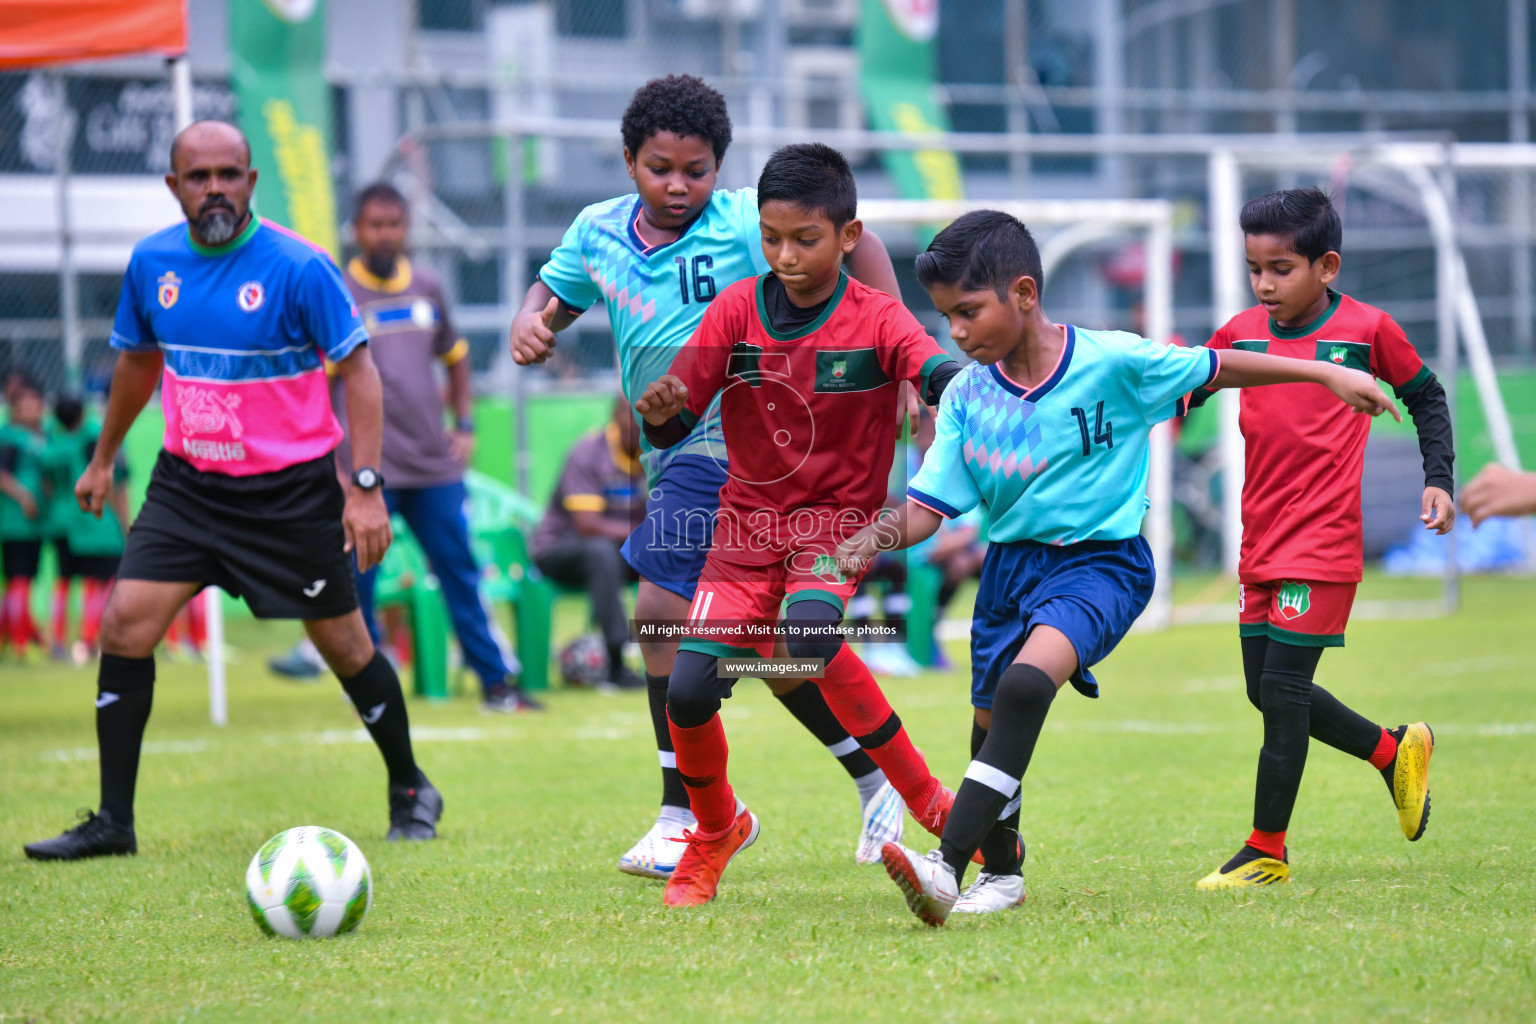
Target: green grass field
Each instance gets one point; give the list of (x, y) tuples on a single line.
[(516, 912)]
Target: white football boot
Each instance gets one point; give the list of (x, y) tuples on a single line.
[(883, 817), (656, 855), (926, 881), (991, 893)]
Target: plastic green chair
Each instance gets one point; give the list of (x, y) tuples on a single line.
[(406, 581)]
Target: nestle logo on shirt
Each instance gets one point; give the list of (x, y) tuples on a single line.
[(215, 451)]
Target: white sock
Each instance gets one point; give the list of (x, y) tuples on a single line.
[(869, 785), (675, 817)]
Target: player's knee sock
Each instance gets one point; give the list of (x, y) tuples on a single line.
[(810, 709), (1285, 691), (1255, 650), (59, 626), (1331, 721), (125, 689), (18, 611), (673, 794), (1023, 698), (1000, 849), (855, 698), (375, 692), (702, 754), (1345, 729), (94, 603), (197, 620)]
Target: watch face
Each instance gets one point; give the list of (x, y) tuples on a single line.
[(367, 478)]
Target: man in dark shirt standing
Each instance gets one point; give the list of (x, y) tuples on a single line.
[(403, 307), (598, 502)]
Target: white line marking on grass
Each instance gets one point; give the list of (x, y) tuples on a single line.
[(1144, 726)]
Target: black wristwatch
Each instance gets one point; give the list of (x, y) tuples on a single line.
[(367, 479)]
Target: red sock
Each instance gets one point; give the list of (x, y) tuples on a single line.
[(197, 621), (701, 758), (861, 708), (173, 631), (1269, 843), (60, 623), (18, 612), (1386, 750), (94, 602)]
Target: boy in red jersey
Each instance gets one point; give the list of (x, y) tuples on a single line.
[(807, 364), (1302, 546)]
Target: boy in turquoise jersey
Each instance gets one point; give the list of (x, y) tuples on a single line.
[(1049, 427), (22, 523), (656, 259)]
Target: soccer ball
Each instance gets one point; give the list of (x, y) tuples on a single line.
[(308, 882), (584, 662)]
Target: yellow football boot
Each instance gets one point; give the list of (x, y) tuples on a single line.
[(1408, 776), (1259, 871)]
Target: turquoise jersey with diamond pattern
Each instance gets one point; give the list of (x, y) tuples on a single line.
[(657, 294), (1066, 461)]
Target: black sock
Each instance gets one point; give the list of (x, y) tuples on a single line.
[(1000, 849), (1285, 696), (125, 688), (1330, 722), (1023, 698), (1341, 727), (375, 692), (810, 709), (673, 792)]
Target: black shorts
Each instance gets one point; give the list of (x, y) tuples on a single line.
[(274, 539), (20, 557)]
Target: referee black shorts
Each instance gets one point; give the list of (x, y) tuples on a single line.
[(274, 539)]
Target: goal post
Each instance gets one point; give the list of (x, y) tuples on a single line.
[(1064, 227)]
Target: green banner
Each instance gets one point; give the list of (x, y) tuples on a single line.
[(896, 78), (278, 50)]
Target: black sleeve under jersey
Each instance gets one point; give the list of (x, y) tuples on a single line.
[(10, 455), (938, 380), (666, 435), (1432, 419)]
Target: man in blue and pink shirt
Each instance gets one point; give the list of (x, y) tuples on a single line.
[(231, 315)]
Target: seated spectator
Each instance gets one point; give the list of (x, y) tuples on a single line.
[(600, 498)]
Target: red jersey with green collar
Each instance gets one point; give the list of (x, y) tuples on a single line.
[(809, 416), (1305, 449)]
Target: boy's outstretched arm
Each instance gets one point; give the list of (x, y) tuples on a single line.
[(1355, 388), (870, 263), (661, 407), (535, 325), (892, 530), (1432, 421)]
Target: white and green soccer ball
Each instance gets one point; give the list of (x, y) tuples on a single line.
[(309, 882)]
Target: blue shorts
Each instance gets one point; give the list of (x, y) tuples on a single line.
[(1092, 592), (670, 546)]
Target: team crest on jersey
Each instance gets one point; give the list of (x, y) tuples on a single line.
[(825, 566), (251, 296), (1338, 354), (839, 368), (170, 289), (1295, 600)]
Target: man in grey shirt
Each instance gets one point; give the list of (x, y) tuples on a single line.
[(403, 308)]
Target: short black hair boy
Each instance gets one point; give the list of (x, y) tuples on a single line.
[(681, 104), (1304, 215), (813, 176), (981, 249)]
